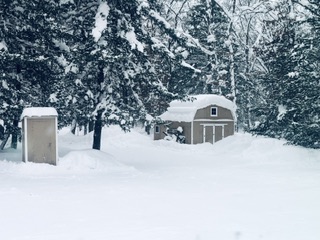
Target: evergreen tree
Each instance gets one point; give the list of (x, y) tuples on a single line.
[(29, 70), (75, 97), (291, 106), (208, 22), (10, 70), (117, 60), (304, 87)]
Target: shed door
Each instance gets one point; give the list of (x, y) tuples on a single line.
[(41, 136), (219, 133), (209, 133)]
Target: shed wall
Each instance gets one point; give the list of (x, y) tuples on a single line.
[(174, 125), (160, 135), (186, 129)]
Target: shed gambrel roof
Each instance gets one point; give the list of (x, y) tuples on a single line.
[(185, 111)]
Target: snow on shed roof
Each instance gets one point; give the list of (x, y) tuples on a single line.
[(185, 111), (39, 112)]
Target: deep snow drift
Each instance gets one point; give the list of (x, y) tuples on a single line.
[(241, 188)]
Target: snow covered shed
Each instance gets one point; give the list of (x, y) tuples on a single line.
[(208, 118), (39, 135)]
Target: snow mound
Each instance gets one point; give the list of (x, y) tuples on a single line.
[(91, 159), (76, 161)]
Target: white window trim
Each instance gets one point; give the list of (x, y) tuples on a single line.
[(216, 115)]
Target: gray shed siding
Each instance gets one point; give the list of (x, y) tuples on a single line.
[(160, 135), (204, 113)]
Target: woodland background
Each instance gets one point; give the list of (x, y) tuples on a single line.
[(115, 61)]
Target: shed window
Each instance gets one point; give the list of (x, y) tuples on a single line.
[(157, 129), (214, 112)]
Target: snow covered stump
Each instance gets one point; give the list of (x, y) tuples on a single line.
[(39, 135)]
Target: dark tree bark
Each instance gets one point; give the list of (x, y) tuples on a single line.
[(97, 131), (98, 121), (14, 139), (91, 125)]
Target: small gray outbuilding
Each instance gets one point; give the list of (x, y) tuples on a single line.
[(208, 118), (39, 135)]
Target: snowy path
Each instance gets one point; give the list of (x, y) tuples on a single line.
[(242, 188)]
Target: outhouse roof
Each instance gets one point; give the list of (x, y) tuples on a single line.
[(39, 112), (185, 111)]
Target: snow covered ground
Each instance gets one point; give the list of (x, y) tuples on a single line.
[(241, 188)]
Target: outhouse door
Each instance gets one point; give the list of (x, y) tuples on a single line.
[(41, 140)]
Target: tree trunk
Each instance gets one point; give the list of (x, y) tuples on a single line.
[(14, 139), (85, 129), (97, 131), (232, 56), (91, 125), (74, 126), (98, 121)]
